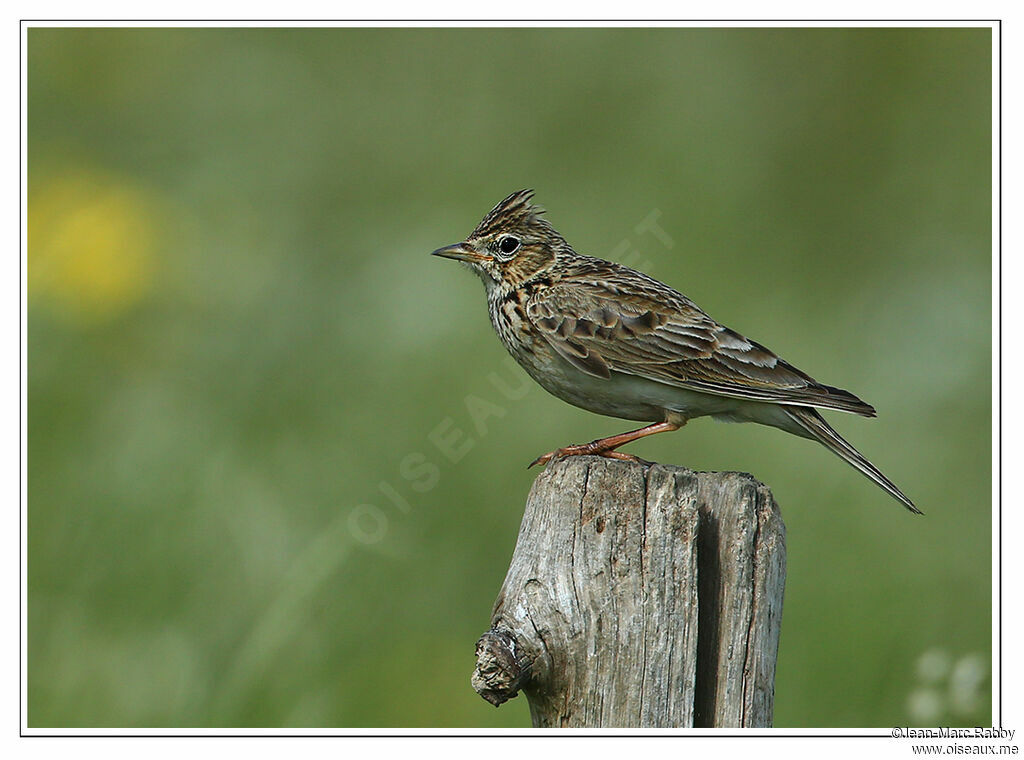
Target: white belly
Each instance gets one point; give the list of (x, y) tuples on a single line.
[(628, 397)]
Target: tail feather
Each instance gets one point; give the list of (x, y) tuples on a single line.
[(844, 401), (814, 426)]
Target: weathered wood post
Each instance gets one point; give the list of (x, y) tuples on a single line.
[(640, 595)]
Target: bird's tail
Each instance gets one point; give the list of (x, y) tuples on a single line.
[(812, 425)]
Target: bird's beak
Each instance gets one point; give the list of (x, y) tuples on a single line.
[(461, 252)]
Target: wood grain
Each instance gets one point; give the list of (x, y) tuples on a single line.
[(640, 596)]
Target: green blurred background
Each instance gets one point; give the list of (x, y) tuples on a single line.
[(241, 357)]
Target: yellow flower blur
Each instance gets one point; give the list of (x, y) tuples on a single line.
[(91, 241)]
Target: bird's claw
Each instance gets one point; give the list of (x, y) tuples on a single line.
[(542, 459), (582, 450), (625, 457)]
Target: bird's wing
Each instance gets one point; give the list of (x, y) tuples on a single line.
[(636, 325)]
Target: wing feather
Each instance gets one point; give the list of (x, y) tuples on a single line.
[(627, 322)]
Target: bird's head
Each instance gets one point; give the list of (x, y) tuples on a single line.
[(511, 245)]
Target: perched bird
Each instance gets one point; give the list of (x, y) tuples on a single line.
[(614, 341)]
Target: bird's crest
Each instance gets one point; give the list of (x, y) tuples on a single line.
[(515, 211)]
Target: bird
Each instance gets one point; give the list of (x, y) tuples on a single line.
[(609, 339)]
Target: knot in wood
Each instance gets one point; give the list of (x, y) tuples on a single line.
[(500, 672)]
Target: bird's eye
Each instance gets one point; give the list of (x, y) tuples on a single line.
[(508, 244)]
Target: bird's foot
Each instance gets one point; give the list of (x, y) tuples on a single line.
[(598, 448)]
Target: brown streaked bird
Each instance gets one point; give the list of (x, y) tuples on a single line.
[(614, 341)]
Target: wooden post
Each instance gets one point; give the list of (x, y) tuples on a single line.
[(643, 596)]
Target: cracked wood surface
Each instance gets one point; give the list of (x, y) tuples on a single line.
[(640, 595)]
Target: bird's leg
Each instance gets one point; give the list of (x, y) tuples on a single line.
[(605, 447)]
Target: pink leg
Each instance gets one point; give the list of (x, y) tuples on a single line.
[(605, 447)]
